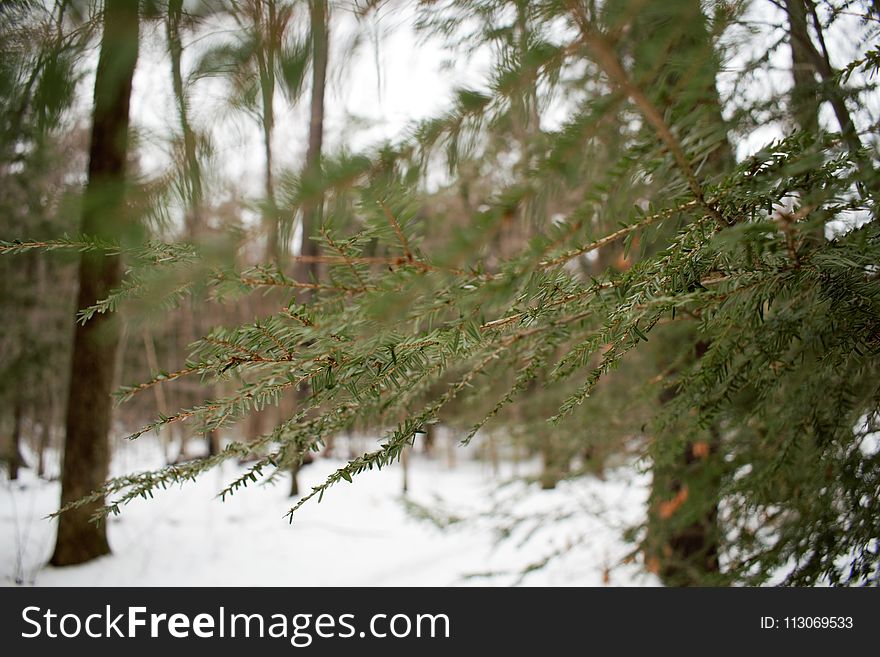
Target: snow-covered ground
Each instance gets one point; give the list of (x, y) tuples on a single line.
[(456, 526)]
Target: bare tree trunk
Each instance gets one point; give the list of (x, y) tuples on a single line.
[(804, 93), (312, 210), (805, 98), (493, 453), (195, 224), (161, 403), (554, 464), (404, 462), (15, 460), (266, 64), (193, 169), (87, 450), (212, 438), (45, 435), (451, 445), (430, 439), (527, 126)]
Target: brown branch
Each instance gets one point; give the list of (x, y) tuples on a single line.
[(289, 354), (256, 282), (345, 257), (133, 390), (214, 406), (397, 229), (609, 63), (504, 321), (612, 237), (230, 345)]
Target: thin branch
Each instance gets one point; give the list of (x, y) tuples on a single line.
[(608, 61), (504, 321), (345, 257), (612, 237), (396, 226)]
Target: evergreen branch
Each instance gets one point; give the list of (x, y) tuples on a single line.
[(345, 258), (504, 321), (220, 410), (522, 381), (398, 439), (287, 353), (259, 277), (124, 393), (396, 226), (609, 62), (152, 251), (252, 355), (616, 235), (81, 244)]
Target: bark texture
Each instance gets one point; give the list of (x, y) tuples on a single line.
[(89, 404)]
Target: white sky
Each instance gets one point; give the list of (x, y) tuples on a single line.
[(417, 81)]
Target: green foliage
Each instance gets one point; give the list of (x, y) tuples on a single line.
[(38, 76), (559, 286)]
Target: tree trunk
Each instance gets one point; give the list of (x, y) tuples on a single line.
[(266, 63), (805, 91), (804, 96), (554, 463), (45, 435), (212, 438), (195, 225), (165, 435), (312, 209), (15, 459), (682, 553), (191, 161), (451, 446), (830, 90), (86, 450), (404, 462), (430, 440)]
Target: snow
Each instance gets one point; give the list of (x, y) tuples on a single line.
[(366, 533)]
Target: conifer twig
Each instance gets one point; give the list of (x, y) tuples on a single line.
[(616, 235), (609, 63), (397, 229)]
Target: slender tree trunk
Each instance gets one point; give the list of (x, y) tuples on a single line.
[(800, 12), (554, 465), (404, 462), (87, 450), (165, 436), (213, 440), (45, 435), (195, 223), (266, 45), (192, 166), (15, 460), (430, 440), (312, 209), (451, 446), (804, 96), (530, 213), (493, 453), (273, 247)]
